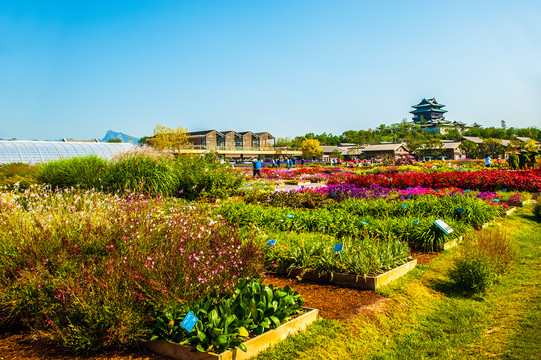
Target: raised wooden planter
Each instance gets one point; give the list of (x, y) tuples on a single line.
[(521, 203), (254, 345), (354, 281), (481, 227), (449, 244), (437, 247)]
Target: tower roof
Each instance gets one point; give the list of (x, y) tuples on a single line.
[(428, 103)]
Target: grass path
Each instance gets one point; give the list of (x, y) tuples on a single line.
[(423, 318)]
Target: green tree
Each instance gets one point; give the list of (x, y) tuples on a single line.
[(144, 140), (492, 147), (283, 141), (432, 147), (311, 149), (470, 148), (114, 140), (337, 154)]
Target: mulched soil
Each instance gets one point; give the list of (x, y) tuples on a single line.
[(333, 302)]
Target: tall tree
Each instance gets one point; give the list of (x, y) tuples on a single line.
[(470, 148), (169, 138), (311, 149)]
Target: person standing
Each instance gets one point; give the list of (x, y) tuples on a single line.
[(257, 168), (487, 161)]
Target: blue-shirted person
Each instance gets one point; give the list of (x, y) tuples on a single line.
[(257, 168)]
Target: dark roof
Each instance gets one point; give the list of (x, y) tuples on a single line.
[(428, 103), (425, 110), (246, 132), (265, 132), (203, 132), (229, 131)]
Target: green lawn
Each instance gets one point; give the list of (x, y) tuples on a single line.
[(423, 318)]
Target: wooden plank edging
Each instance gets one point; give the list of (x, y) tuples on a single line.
[(355, 281)]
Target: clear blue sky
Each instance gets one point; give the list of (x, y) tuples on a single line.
[(74, 69)]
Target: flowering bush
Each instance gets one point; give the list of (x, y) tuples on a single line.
[(89, 270)]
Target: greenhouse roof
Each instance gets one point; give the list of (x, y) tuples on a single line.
[(34, 152)]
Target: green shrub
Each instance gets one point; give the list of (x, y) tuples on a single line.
[(141, 172), (537, 210), (513, 161), (473, 274), (206, 177), (86, 172), (484, 259)]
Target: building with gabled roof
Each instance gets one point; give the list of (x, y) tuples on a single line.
[(475, 139), (393, 149), (236, 145), (452, 150)]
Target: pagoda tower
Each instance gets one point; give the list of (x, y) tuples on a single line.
[(429, 110)]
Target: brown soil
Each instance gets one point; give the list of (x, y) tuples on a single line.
[(423, 258), (25, 346), (333, 302)]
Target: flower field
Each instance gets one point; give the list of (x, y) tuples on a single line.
[(95, 269)]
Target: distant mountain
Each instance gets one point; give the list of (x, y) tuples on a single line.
[(118, 135)]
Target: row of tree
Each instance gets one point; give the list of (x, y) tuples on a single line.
[(408, 132)]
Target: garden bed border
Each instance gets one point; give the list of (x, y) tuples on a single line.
[(254, 345), (355, 281)]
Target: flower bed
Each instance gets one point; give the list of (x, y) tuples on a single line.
[(288, 251), (225, 321), (88, 270), (344, 223), (253, 346), (484, 180), (370, 282)]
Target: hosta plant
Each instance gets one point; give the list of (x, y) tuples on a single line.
[(225, 321)]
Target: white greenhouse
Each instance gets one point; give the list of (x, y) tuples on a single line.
[(34, 152)]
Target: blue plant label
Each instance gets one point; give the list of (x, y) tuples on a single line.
[(436, 189), (409, 188), (245, 184), (443, 226), (415, 222), (496, 200), (460, 210), (364, 223), (338, 247), (404, 206), (467, 190), (271, 242), (289, 215), (263, 185), (189, 321), (504, 190)]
